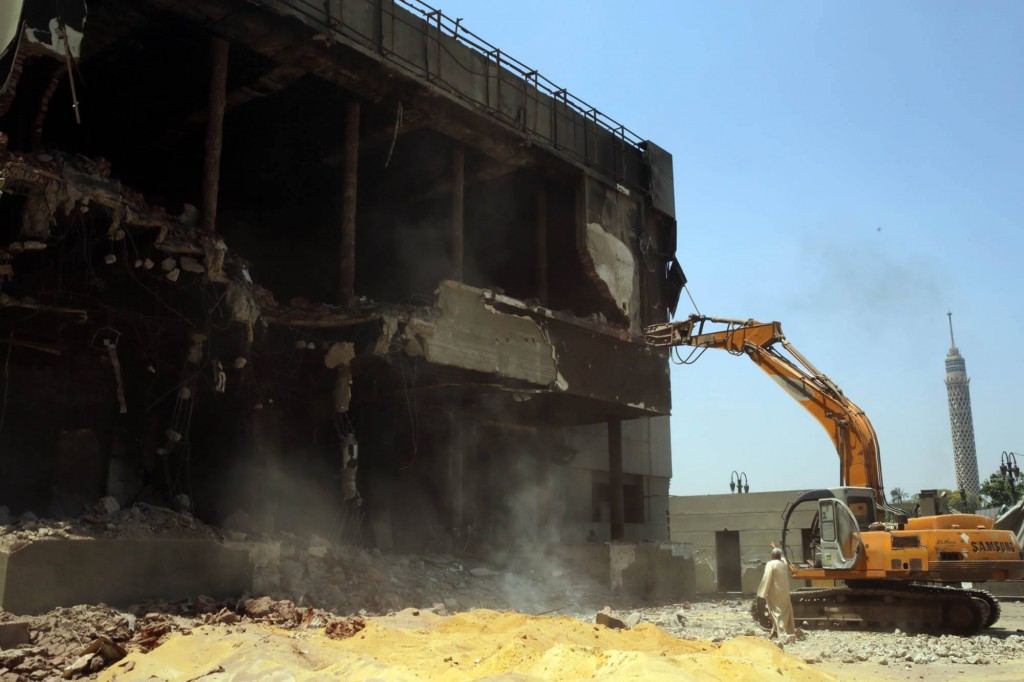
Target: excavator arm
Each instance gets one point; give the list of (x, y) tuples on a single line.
[(846, 424)]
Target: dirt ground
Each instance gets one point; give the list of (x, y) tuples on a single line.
[(1011, 622), (995, 654), (482, 644)]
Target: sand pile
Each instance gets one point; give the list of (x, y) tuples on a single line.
[(481, 644)]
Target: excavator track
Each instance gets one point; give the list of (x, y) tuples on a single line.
[(994, 610), (913, 608)]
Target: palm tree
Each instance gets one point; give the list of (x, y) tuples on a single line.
[(897, 495)]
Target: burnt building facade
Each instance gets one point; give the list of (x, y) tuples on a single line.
[(341, 264)]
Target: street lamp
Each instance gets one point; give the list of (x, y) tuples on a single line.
[(738, 482), (1009, 470)]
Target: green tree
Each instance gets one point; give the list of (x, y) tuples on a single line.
[(952, 502), (897, 495), (997, 492), (957, 502)]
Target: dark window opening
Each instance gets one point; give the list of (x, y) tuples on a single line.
[(632, 499), (633, 502), (600, 505)]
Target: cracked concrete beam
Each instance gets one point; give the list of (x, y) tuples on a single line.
[(462, 330)]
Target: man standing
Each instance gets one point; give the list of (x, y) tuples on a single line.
[(774, 589)]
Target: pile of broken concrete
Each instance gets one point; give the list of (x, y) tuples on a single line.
[(105, 519), (82, 640)]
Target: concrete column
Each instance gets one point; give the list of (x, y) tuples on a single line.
[(347, 283), (458, 211), (456, 467), (214, 130), (615, 478), (542, 247)]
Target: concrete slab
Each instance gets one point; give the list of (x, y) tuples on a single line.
[(40, 576), (14, 634)]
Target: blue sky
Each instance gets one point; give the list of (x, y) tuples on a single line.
[(798, 130)]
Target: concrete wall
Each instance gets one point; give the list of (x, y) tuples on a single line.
[(646, 457), (50, 573), (757, 517), (650, 570), (663, 571)]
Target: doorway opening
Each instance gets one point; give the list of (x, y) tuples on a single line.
[(727, 551)]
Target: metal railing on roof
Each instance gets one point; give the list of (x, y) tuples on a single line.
[(454, 28), (321, 14)]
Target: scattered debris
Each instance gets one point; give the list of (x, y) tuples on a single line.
[(610, 619), (344, 628)]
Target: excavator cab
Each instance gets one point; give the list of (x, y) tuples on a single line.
[(861, 503), (842, 514), (840, 536)]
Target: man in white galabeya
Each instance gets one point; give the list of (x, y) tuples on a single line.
[(774, 589)]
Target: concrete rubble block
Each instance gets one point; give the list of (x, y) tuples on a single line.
[(205, 604), (13, 658), (189, 264), (610, 619), (14, 634), (225, 617), (94, 657), (107, 505), (79, 667), (344, 628), (258, 608), (118, 571)]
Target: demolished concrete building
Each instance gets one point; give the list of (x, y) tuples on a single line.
[(337, 263)]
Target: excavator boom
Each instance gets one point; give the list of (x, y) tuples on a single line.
[(846, 424)]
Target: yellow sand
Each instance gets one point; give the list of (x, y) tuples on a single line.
[(469, 646)]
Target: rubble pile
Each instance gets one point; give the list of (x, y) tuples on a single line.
[(351, 580), (313, 571), (901, 649), (82, 640), (107, 520)]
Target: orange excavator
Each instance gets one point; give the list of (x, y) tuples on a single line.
[(898, 571)]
